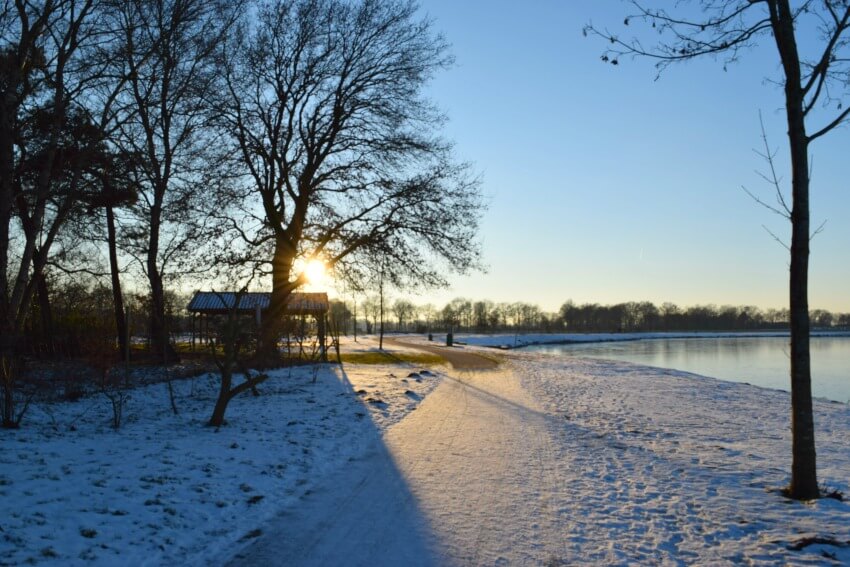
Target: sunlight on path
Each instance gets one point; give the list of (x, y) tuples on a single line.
[(478, 459), (467, 479)]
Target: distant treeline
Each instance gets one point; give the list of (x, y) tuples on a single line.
[(464, 315), (77, 314), (646, 316)]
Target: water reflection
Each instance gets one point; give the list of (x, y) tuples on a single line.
[(762, 361)]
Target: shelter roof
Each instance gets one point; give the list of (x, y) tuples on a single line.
[(217, 302)]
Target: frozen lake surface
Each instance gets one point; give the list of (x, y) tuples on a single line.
[(761, 361)]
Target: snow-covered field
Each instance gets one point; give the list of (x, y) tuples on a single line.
[(166, 488), (544, 461), (669, 467)]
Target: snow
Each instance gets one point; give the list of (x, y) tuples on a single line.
[(545, 460), (168, 489), (675, 467)]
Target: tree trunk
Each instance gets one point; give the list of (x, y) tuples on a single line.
[(160, 345), (381, 286), (804, 483), (8, 370), (284, 256), (117, 296), (8, 111), (45, 314), (224, 395), (231, 360), (381, 326), (8, 399)]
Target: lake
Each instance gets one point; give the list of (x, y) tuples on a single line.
[(761, 361)]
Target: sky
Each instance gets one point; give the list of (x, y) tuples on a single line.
[(607, 185)]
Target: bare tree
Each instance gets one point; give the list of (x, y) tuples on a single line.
[(816, 82), (428, 312), (46, 148), (404, 310), (167, 51), (337, 141), (228, 349), (371, 307)]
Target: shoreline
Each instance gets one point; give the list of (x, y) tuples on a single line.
[(520, 340)]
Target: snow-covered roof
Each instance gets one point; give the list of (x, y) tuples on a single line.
[(210, 302)]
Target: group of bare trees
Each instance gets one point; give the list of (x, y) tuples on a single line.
[(150, 142), (646, 316), (484, 316), (460, 314)]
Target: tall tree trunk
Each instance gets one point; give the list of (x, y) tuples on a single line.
[(117, 296), (159, 328), (6, 177), (381, 286), (282, 286), (8, 314), (804, 484), (8, 359), (160, 344), (45, 314)]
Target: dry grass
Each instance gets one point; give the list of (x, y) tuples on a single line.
[(376, 357)]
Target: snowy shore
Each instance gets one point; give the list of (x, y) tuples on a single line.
[(679, 468), (590, 460), (525, 339)]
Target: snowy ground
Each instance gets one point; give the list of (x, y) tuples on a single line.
[(672, 467), (544, 461), (166, 489)]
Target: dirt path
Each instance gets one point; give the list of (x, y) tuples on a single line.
[(459, 358), (467, 479)]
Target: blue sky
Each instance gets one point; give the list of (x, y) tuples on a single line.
[(606, 185)]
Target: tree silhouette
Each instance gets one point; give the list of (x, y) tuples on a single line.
[(325, 106)]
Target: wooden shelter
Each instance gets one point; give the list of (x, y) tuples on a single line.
[(207, 304)]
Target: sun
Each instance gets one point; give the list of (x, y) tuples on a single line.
[(315, 271)]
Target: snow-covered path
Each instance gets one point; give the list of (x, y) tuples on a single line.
[(479, 459), (467, 479), (543, 463)]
